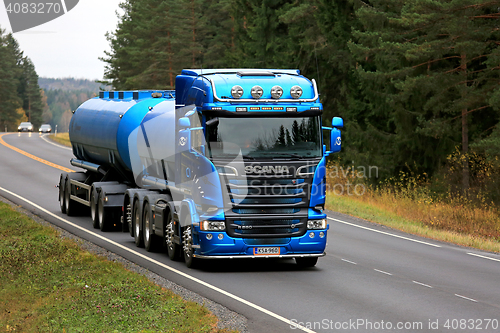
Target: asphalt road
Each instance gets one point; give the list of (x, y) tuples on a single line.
[(372, 279)]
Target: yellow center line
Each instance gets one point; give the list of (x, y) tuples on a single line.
[(32, 156)]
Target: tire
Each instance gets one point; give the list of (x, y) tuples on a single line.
[(71, 206), (306, 262), (94, 211), (104, 215), (128, 217), (187, 243), (147, 229), (136, 222), (62, 195), (173, 250)]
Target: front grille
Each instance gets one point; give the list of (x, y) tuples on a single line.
[(267, 207)]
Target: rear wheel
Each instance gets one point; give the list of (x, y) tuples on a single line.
[(306, 261), (173, 249), (62, 195), (104, 214), (71, 206), (93, 211), (147, 229), (136, 221)]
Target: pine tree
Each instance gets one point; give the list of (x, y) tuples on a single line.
[(9, 100)]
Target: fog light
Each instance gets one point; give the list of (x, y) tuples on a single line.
[(311, 235), (221, 236), (321, 234), (209, 236)]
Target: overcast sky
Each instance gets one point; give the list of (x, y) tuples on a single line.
[(70, 45)]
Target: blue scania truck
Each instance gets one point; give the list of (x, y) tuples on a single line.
[(230, 164)]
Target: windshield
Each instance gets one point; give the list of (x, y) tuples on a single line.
[(297, 137)]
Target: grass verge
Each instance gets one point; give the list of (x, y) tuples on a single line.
[(49, 284), (62, 138), (423, 219)]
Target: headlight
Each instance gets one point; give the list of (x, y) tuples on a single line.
[(316, 224), (19, 128), (257, 92), (212, 225), (276, 92), (296, 92), (237, 92)]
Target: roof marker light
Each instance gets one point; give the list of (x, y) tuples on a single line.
[(276, 92), (237, 92), (296, 92), (257, 92)]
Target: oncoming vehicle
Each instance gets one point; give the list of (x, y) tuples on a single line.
[(45, 128), (25, 127)]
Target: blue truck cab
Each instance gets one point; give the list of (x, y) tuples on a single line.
[(261, 162)]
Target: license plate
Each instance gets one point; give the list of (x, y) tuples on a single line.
[(270, 251)]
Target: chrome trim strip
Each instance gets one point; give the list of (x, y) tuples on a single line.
[(299, 255)]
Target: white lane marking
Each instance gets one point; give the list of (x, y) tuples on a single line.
[(53, 143), (192, 278), (351, 262), (422, 284), (467, 298), (382, 232), (480, 256), (378, 270)]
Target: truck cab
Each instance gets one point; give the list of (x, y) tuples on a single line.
[(252, 155)]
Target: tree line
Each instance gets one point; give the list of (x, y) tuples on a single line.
[(413, 80), (20, 95)]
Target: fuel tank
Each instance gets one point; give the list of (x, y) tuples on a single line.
[(124, 132)]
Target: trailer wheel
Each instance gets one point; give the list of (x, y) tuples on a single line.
[(71, 206), (104, 215), (187, 244), (93, 210), (147, 228), (62, 195), (306, 262), (136, 221), (173, 249)]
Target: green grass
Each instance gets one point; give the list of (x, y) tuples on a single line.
[(409, 216), (48, 284), (62, 138)]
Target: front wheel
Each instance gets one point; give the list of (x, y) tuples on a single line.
[(306, 261), (187, 244)]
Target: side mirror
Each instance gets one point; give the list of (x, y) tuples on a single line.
[(337, 122), (184, 122)]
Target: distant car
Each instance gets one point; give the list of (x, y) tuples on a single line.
[(25, 127), (45, 128)]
